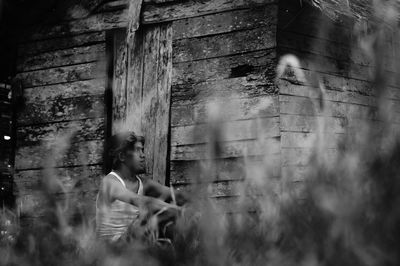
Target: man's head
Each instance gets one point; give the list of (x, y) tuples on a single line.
[(126, 148)]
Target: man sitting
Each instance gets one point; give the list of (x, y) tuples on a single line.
[(123, 197)]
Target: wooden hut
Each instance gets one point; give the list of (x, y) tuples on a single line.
[(85, 76)]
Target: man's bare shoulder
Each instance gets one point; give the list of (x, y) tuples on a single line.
[(110, 180)]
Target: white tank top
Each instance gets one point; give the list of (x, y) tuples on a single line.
[(114, 219)]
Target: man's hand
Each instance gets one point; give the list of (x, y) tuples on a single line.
[(154, 205)]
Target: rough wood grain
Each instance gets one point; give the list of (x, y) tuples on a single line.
[(346, 95), (36, 47), (338, 51), (82, 130), (224, 44), (301, 76), (128, 52), (36, 205), (119, 86), (160, 13), (214, 189), (227, 149), (298, 123), (241, 87), (242, 19), (164, 80), (233, 109), (62, 74), (71, 56), (232, 130), (296, 173), (329, 65), (304, 106), (149, 95), (235, 168), (152, 14), (309, 140), (93, 23), (81, 178), (135, 78), (240, 65), (301, 156), (62, 109), (79, 153), (64, 91)]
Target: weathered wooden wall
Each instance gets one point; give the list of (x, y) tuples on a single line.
[(64, 83), (62, 69), (228, 56), (221, 50), (219, 47), (330, 56)]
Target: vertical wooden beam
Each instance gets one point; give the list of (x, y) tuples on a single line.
[(127, 70), (162, 116), (150, 99), (119, 88), (135, 84)]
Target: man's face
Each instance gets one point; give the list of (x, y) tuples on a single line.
[(135, 159)]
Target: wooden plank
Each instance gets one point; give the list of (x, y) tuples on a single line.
[(121, 4), (62, 110), (38, 205), (331, 65), (296, 173), (66, 180), (228, 131), (304, 106), (149, 94), (151, 14), (306, 124), (57, 155), (338, 51), (301, 76), (132, 59), (223, 44), (235, 168), (93, 23), (180, 10), (347, 95), (324, 65), (227, 149), (134, 97), (240, 65), (85, 39), (62, 74), (64, 91), (214, 189), (164, 80), (119, 88), (301, 156), (71, 56), (310, 140), (242, 19), (233, 109), (219, 191), (81, 130), (241, 87)]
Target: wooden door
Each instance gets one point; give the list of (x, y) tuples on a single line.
[(141, 89)]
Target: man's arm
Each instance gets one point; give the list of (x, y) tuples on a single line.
[(115, 191), (155, 189)]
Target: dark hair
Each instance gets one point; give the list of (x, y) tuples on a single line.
[(121, 142)]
